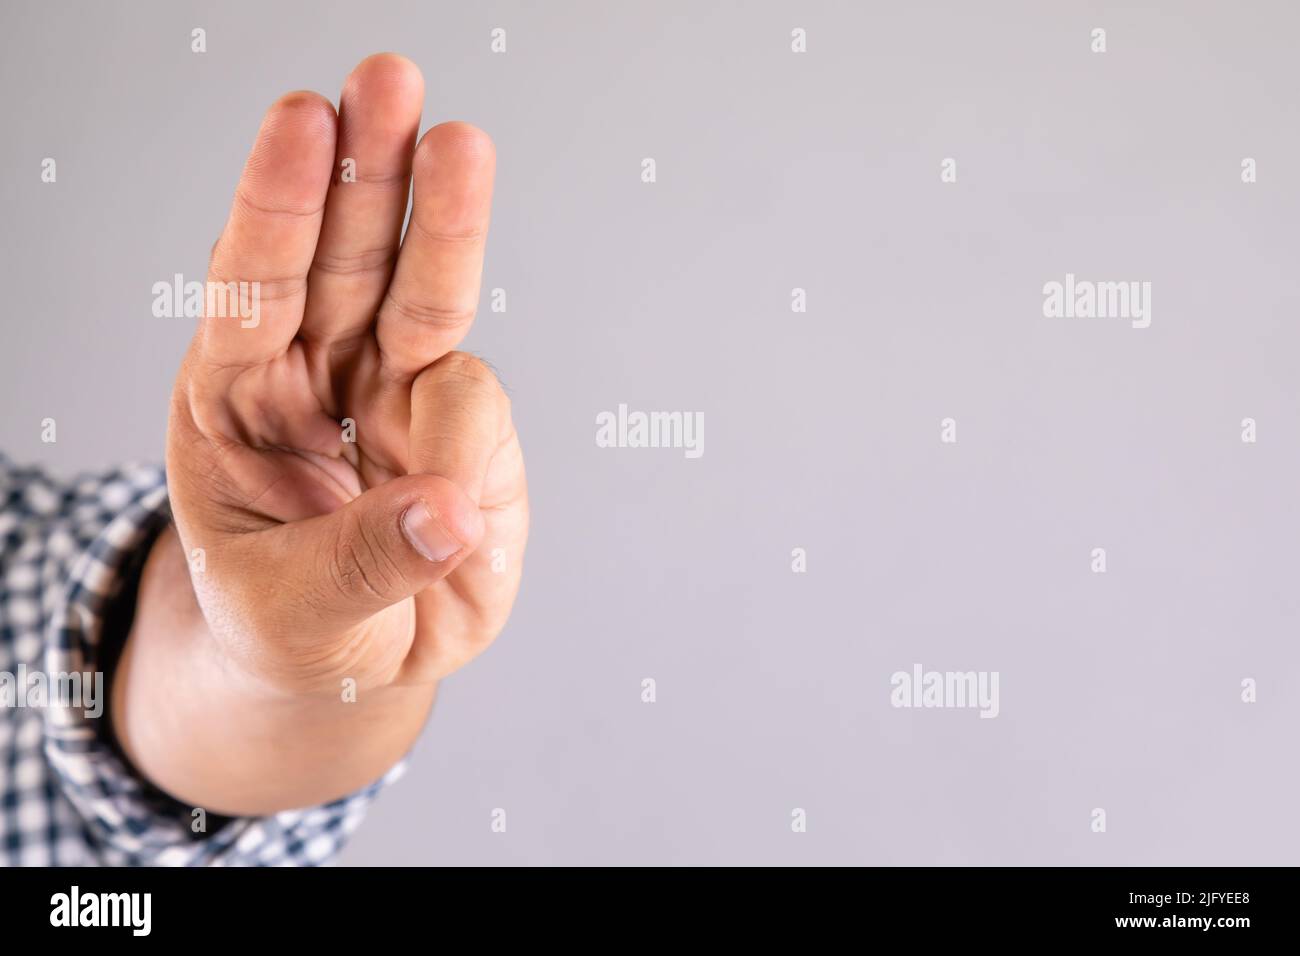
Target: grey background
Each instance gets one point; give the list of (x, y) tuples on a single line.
[(777, 170)]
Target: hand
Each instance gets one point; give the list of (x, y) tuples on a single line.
[(328, 558)]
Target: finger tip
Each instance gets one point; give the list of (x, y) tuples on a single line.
[(460, 142), (454, 509), (389, 76), (289, 165), (304, 108)]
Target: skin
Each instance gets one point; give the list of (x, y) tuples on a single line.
[(230, 693)]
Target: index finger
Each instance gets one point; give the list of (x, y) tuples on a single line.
[(257, 278)]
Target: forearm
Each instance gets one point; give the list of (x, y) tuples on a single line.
[(200, 729)]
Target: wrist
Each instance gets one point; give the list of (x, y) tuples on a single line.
[(214, 733)]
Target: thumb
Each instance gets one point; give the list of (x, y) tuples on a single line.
[(386, 545)]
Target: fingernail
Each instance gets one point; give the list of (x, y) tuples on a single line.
[(425, 534)]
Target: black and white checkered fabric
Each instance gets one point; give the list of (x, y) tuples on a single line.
[(66, 798)]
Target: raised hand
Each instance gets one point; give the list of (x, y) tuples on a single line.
[(348, 488)]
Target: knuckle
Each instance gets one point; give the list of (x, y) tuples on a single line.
[(293, 289), (426, 313), (361, 566), (360, 262), (384, 178), (449, 235), (255, 208), (225, 269)]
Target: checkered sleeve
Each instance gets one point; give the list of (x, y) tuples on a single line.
[(67, 798)]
